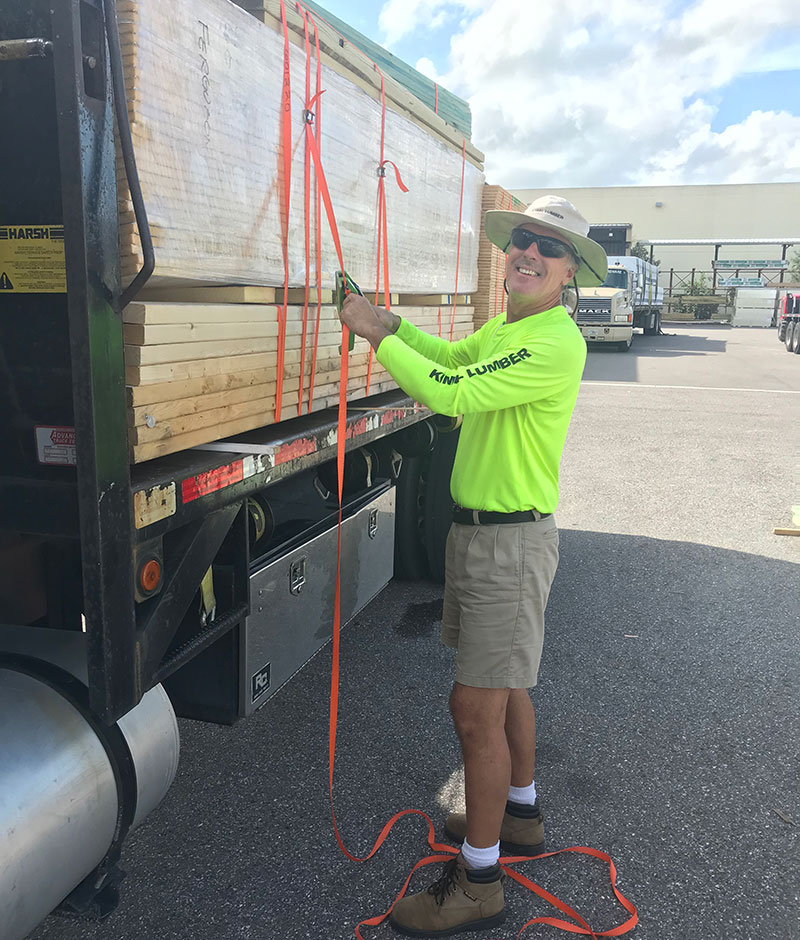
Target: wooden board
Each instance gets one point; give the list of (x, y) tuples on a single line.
[(196, 368), (431, 300), (178, 352), (187, 390), (167, 334), (167, 311), (236, 294), (297, 295)]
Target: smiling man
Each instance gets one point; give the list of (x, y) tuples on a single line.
[(515, 382)]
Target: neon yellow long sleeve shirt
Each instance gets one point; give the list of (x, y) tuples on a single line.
[(516, 386)]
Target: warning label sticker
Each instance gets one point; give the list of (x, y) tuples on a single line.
[(56, 446), (32, 259)]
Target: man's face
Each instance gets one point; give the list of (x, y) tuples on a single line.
[(538, 278)]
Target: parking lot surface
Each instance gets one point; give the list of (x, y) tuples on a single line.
[(668, 705)]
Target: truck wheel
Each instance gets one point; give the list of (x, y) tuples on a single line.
[(438, 502), (410, 560), (796, 347), (790, 340), (782, 324)]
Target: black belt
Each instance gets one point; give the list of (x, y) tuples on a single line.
[(483, 517)]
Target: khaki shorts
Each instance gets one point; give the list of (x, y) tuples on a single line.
[(497, 581)]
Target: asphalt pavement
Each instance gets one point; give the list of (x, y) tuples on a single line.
[(668, 705)]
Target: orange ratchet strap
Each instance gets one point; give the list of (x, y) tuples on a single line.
[(313, 116), (383, 235), (382, 228), (308, 119)]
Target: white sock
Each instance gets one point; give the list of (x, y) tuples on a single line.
[(523, 794), (480, 858)]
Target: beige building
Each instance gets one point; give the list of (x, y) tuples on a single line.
[(730, 211)]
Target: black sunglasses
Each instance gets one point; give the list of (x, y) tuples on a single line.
[(523, 238)]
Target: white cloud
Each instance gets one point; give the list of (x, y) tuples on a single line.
[(428, 69), (595, 92), (776, 59)]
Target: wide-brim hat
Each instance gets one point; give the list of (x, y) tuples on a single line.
[(563, 219)]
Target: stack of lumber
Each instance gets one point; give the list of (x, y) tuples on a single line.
[(204, 82), (205, 91), (206, 367), (489, 297)]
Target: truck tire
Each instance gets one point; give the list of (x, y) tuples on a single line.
[(782, 324), (410, 559), (438, 502), (654, 320), (796, 346), (791, 337)]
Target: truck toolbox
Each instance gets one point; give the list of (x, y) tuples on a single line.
[(291, 598)]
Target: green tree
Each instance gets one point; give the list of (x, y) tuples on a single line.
[(794, 266), (700, 288), (641, 250)]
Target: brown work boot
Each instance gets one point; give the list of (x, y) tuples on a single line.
[(521, 833), (462, 899)]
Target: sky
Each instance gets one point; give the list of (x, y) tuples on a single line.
[(610, 92)]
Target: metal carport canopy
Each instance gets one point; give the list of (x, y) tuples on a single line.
[(721, 241)]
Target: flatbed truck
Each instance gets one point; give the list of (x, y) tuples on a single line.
[(629, 298), (191, 585)]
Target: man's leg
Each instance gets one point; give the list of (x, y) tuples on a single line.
[(520, 731), (480, 718), (469, 894)]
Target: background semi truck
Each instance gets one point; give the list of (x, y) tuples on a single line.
[(788, 322), (628, 299), (196, 583)]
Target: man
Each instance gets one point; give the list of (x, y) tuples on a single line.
[(515, 382)]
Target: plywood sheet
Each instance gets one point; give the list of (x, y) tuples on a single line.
[(204, 81)]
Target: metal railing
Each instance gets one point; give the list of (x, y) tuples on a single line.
[(677, 283)]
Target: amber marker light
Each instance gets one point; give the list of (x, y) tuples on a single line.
[(150, 576)]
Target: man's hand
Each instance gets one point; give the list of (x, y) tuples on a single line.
[(373, 323)]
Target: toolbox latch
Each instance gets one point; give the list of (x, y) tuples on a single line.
[(297, 575), (372, 527)]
